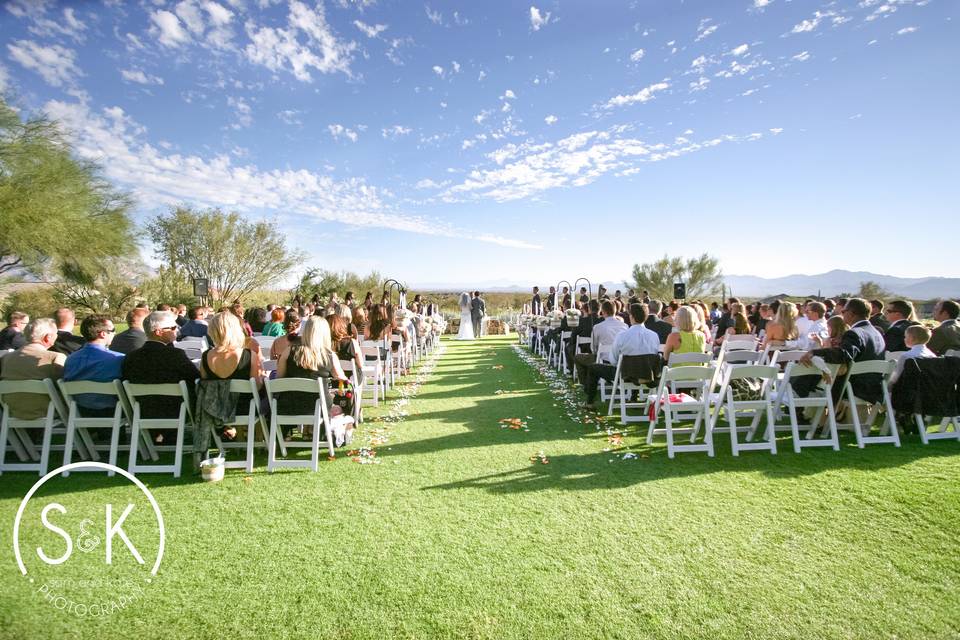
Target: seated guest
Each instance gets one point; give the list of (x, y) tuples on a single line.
[(726, 319), (862, 342), (783, 327), (32, 361), (345, 345), (715, 313), (134, 337), (11, 336), (687, 339), (900, 315), (95, 362), (313, 357), (916, 338), (67, 342), (275, 326), (584, 329), (257, 318), (766, 315), (876, 316), (378, 326), (181, 315), (233, 357), (836, 327), (636, 340), (291, 328), (947, 335), (360, 320), (237, 309), (603, 333), (655, 324), (815, 325), (196, 327), (159, 362)]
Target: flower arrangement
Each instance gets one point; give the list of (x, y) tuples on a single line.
[(573, 317)]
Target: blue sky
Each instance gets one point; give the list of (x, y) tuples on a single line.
[(503, 141)]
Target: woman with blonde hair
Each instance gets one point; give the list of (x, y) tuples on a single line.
[(783, 327), (233, 356), (688, 338), (312, 357)]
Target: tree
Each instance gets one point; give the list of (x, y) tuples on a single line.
[(702, 276), (55, 210), (111, 291), (871, 290), (322, 283), (237, 256)]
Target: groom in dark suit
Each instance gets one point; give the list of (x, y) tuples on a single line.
[(477, 311)]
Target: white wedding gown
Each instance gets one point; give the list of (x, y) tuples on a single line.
[(466, 325)]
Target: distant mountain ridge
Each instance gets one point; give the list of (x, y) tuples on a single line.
[(830, 283)]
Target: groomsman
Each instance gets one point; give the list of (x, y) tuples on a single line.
[(536, 305)]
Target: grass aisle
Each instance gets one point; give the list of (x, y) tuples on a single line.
[(457, 533)]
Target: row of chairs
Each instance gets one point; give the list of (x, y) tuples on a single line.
[(709, 391), (63, 417)]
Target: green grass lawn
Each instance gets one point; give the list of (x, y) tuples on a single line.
[(457, 533)]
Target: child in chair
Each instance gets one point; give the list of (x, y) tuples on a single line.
[(916, 338)]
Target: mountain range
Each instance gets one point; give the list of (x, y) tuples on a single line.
[(830, 283)]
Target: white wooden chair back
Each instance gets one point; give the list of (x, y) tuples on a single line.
[(140, 425), (319, 419)]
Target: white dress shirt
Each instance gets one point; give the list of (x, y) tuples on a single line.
[(816, 327), (916, 351), (606, 332), (635, 341)]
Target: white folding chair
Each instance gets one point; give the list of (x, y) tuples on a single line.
[(250, 419), (695, 408), (888, 432), (319, 419), (143, 425), (265, 342), (893, 356), (625, 390), (350, 368), (820, 399), (16, 431), (78, 426), (741, 341), (754, 409), (952, 353), (604, 354), (562, 354), (374, 371)]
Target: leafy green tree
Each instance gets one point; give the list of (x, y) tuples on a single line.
[(56, 210), (871, 290), (702, 276), (111, 291), (323, 282), (237, 256)]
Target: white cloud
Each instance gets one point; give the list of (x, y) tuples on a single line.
[(339, 131), (427, 183), (906, 30), (637, 55), (55, 64), (706, 32), (138, 76), (776, 130), (243, 112), (644, 95), (371, 31), (219, 15), (290, 116), (508, 95), (481, 75), (526, 170), (437, 69), (167, 29), (160, 178), (538, 20), (455, 66), (395, 131), (551, 119), (480, 117), (812, 23), (191, 16), (700, 84), (739, 51), (434, 16), (760, 4), (803, 56), (277, 48), (36, 11)]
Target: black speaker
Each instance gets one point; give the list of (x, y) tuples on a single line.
[(679, 290), (201, 287)]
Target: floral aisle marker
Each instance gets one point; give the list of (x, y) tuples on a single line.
[(380, 435)]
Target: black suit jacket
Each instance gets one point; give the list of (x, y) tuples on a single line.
[(879, 322), (861, 342), (67, 343), (894, 336), (659, 327), (128, 341), (584, 330), (157, 363)]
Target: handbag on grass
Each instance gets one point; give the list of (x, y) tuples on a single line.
[(343, 397)]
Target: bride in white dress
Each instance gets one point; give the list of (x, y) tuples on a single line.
[(466, 323)]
